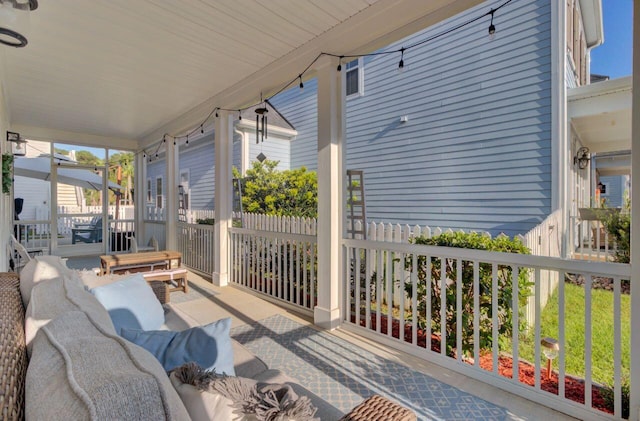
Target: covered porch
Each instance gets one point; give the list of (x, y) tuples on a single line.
[(133, 114)]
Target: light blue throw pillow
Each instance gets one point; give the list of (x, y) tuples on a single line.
[(208, 345), (131, 304)]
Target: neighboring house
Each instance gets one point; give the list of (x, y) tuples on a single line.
[(196, 159), (469, 133), (37, 193)]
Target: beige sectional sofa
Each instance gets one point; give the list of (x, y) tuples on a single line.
[(80, 368)]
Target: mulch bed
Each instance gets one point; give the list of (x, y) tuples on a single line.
[(599, 282), (574, 388)]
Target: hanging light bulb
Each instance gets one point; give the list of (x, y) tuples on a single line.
[(301, 84), (239, 116), (340, 64), (401, 64), (216, 113), (492, 28), (201, 129)]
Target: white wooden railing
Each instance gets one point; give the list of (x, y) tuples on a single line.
[(473, 299), (196, 244), (277, 257)]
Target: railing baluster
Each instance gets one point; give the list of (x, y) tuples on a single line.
[(537, 327), (617, 349), (494, 313), (561, 336), (587, 340), (389, 289), (414, 299), (515, 306), (443, 305), (476, 313), (428, 300), (459, 264)]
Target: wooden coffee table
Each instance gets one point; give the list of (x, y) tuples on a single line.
[(111, 262)]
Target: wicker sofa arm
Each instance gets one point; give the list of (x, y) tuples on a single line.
[(13, 358), (378, 407)]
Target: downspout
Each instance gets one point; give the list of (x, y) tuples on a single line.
[(244, 151)]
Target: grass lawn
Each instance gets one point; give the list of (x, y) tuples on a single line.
[(602, 332)]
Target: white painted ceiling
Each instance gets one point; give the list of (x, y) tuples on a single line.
[(132, 69), (600, 113)]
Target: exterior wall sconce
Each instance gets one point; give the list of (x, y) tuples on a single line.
[(551, 349), (18, 144), (582, 158), (14, 21)]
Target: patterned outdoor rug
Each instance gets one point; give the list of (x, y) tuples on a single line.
[(195, 292), (344, 374)]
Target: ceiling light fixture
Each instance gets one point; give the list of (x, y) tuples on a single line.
[(14, 20)]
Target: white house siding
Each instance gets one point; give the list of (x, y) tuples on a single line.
[(476, 150)]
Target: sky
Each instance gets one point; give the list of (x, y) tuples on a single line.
[(613, 58)]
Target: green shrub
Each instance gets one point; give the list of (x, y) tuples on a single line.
[(618, 226), (272, 192), (206, 221), (471, 241)]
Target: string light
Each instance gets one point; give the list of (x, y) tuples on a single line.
[(492, 30)]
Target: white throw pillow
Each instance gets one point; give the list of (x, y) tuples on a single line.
[(39, 269)]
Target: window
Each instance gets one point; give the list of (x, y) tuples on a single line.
[(159, 192), (354, 75), (603, 187), (149, 192)]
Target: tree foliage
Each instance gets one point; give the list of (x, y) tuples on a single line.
[(618, 225), (269, 191)]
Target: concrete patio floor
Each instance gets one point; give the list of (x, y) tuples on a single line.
[(246, 308)]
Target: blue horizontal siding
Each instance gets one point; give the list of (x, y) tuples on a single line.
[(476, 151), (199, 160)]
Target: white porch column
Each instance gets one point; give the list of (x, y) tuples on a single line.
[(171, 227), (140, 195), (634, 413), (223, 199), (330, 168)]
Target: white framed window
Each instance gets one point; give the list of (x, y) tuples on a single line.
[(354, 78), (149, 191), (184, 192), (159, 193)]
